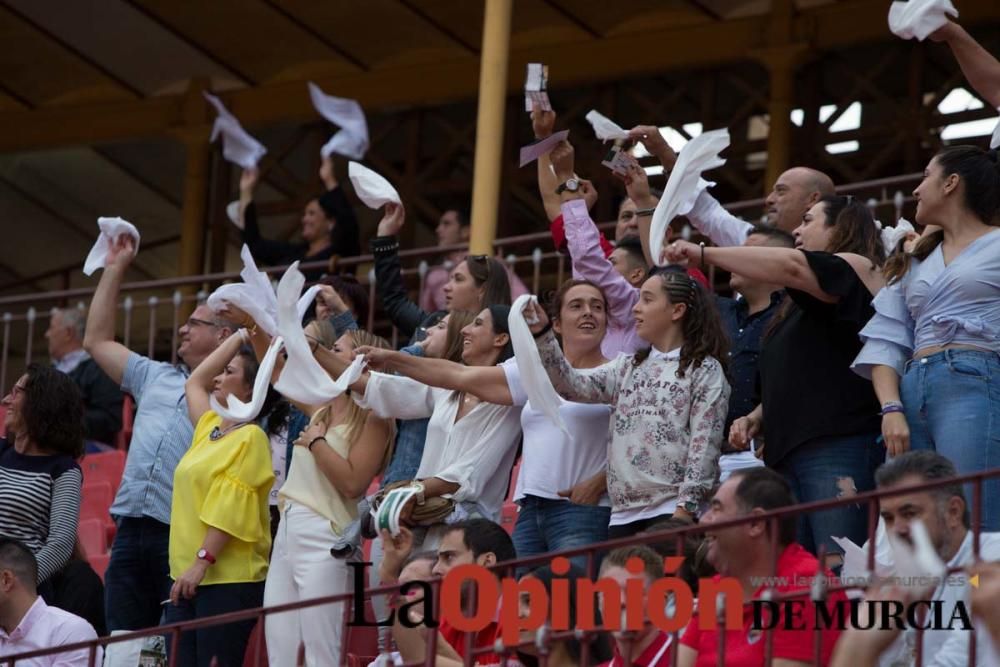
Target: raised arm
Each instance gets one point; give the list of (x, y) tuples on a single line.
[(488, 383), (979, 66), (345, 236), (198, 387), (99, 339), (403, 313), (265, 251), (777, 266), (352, 475), (542, 123)]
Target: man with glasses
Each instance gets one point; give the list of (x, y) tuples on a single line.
[(137, 578)]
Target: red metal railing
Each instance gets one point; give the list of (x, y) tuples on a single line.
[(546, 639)]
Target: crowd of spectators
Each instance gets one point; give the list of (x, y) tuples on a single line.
[(839, 366)]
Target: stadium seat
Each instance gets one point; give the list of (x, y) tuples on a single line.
[(104, 467), (363, 639), (97, 497), (99, 563), (360, 660), (124, 436), (93, 537), (508, 516)]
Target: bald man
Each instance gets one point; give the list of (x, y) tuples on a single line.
[(795, 191)]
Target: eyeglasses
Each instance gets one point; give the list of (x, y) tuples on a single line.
[(205, 323)]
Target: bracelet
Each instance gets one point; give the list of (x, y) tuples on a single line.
[(891, 406), (545, 330), (314, 441)]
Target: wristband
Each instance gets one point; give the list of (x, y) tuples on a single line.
[(891, 406), (545, 330), (314, 441)]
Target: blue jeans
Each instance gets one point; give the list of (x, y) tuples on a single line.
[(952, 403), (138, 575), (545, 525), (833, 467), (228, 642)]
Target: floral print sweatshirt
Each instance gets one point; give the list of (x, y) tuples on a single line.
[(666, 431)]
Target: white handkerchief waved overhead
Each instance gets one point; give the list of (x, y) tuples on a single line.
[(237, 410), (371, 187), (255, 295), (919, 18), (605, 128), (534, 379), (111, 229), (238, 146), (303, 379), (352, 138), (685, 184)]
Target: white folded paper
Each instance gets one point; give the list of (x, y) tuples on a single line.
[(255, 295), (604, 127), (532, 152), (685, 184), (854, 571), (111, 229), (891, 236), (534, 379), (238, 146), (302, 379), (237, 410), (352, 138), (372, 188), (919, 18)]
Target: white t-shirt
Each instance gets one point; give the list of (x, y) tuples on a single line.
[(551, 462)]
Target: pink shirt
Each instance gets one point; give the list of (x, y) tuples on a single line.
[(46, 627)]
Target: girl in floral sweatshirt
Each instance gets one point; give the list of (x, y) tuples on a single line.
[(669, 401)]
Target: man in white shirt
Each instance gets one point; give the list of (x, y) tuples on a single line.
[(28, 624), (944, 512)]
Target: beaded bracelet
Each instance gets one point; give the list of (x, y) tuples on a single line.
[(891, 406)]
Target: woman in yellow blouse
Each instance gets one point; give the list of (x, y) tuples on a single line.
[(335, 459), (219, 522)]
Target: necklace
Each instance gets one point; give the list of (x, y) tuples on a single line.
[(218, 433)]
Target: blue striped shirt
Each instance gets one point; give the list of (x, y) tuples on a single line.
[(160, 436)]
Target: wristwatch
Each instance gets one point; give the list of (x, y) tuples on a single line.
[(571, 185), (204, 555)]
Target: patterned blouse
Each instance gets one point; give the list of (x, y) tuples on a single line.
[(666, 431)]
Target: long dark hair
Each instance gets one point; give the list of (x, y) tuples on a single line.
[(53, 411), (500, 314), (490, 274), (453, 344), (854, 232), (701, 326), (980, 173), (275, 411)]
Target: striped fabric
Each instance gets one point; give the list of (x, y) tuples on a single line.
[(40, 505)]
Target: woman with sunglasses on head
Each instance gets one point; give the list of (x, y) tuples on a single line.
[(668, 401), (819, 420), (475, 282), (932, 349), (561, 487)]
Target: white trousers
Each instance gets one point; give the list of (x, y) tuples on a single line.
[(303, 569)]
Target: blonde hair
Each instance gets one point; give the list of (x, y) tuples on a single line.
[(356, 416)]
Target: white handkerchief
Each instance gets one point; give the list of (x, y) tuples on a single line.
[(995, 141), (303, 379), (352, 139), (237, 410), (855, 569), (534, 379), (685, 184), (891, 236), (919, 18), (111, 229), (255, 295), (532, 152), (604, 127), (372, 188), (915, 564), (238, 146)]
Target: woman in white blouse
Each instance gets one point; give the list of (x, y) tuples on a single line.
[(932, 350), (562, 488), (471, 443)]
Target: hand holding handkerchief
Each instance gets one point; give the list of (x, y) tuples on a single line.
[(685, 184), (534, 379), (352, 138), (238, 146), (372, 188), (919, 18), (111, 229), (605, 128)]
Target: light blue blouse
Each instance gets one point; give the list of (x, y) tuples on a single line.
[(936, 305)]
